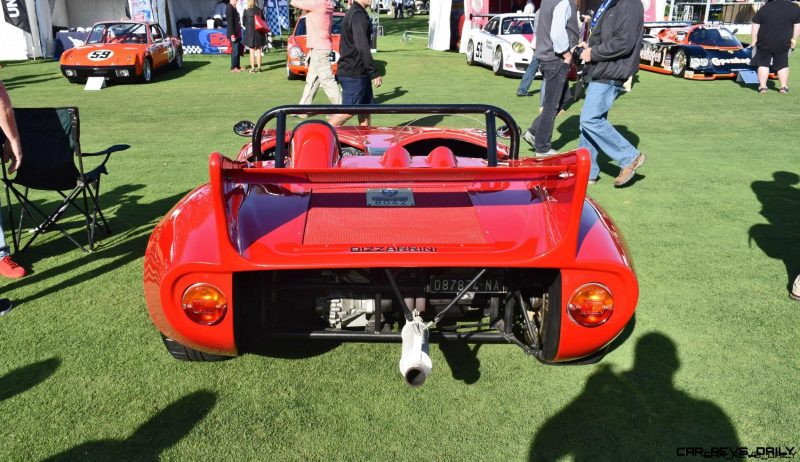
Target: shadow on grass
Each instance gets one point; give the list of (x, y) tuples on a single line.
[(25, 80), (153, 437), (169, 73), (24, 378), (291, 349), (132, 222), (388, 96), (634, 415), (780, 201), (463, 360)]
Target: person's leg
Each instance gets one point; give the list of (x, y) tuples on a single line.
[(326, 79), (555, 75), (252, 60), (781, 62), (312, 81), (351, 95), (235, 63), (365, 120), (783, 77), (258, 58), (763, 75), (595, 126), (8, 267), (527, 77)]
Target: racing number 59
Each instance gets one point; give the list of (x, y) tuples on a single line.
[(99, 54)]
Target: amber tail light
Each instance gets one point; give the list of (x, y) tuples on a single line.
[(204, 304), (591, 305)]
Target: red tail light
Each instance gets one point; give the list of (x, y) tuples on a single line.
[(591, 305), (204, 304)]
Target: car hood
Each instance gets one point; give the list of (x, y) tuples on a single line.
[(525, 39), (102, 54)]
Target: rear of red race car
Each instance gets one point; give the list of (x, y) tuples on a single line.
[(392, 247)]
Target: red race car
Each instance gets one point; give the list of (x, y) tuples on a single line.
[(123, 51), (391, 234), (297, 50)]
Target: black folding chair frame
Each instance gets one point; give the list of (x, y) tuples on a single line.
[(86, 190)]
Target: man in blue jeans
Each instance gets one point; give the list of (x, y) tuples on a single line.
[(612, 56), (356, 68), (557, 35)]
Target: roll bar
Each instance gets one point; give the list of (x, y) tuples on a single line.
[(490, 112)]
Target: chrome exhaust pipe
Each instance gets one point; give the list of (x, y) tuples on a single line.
[(415, 364)]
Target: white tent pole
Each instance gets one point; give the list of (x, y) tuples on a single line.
[(671, 9), (708, 10)]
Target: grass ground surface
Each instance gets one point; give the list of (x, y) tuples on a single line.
[(713, 358)]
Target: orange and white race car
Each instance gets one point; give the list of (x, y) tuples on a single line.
[(122, 50)]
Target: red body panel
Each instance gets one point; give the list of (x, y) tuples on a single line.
[(530, 213)]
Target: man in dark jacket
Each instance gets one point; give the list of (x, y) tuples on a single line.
[(234, 34), (356, 69), (612, 55)]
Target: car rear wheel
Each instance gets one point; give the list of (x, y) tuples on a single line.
[(185, 353), (470, 53), (679, 63), (147, 71), (497, 61)]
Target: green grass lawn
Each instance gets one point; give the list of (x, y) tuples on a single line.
[(713, 223)]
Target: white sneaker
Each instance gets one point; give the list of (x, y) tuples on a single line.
[(529, 138), (795, 294), (548, 153)]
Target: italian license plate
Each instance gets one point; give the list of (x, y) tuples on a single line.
[(454, 286)]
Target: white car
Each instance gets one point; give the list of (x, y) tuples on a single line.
[(505, 43)]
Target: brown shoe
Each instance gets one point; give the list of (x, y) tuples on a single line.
[(627, 173)]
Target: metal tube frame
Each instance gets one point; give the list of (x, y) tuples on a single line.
[(490, 112)]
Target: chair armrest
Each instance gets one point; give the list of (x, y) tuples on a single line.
[(107, 151)]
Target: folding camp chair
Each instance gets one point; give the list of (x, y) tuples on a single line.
[(50, 140)]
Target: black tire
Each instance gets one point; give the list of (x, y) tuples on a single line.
[(147, 71), (184, 353), (679, 61), (290, 75), (177, 63), (497, 61), (470, 53)]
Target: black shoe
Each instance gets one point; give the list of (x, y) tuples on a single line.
[(522, 94), (5, 306)]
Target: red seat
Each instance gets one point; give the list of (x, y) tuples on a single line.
[(396, 157), (441, 157), (314, 144)]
